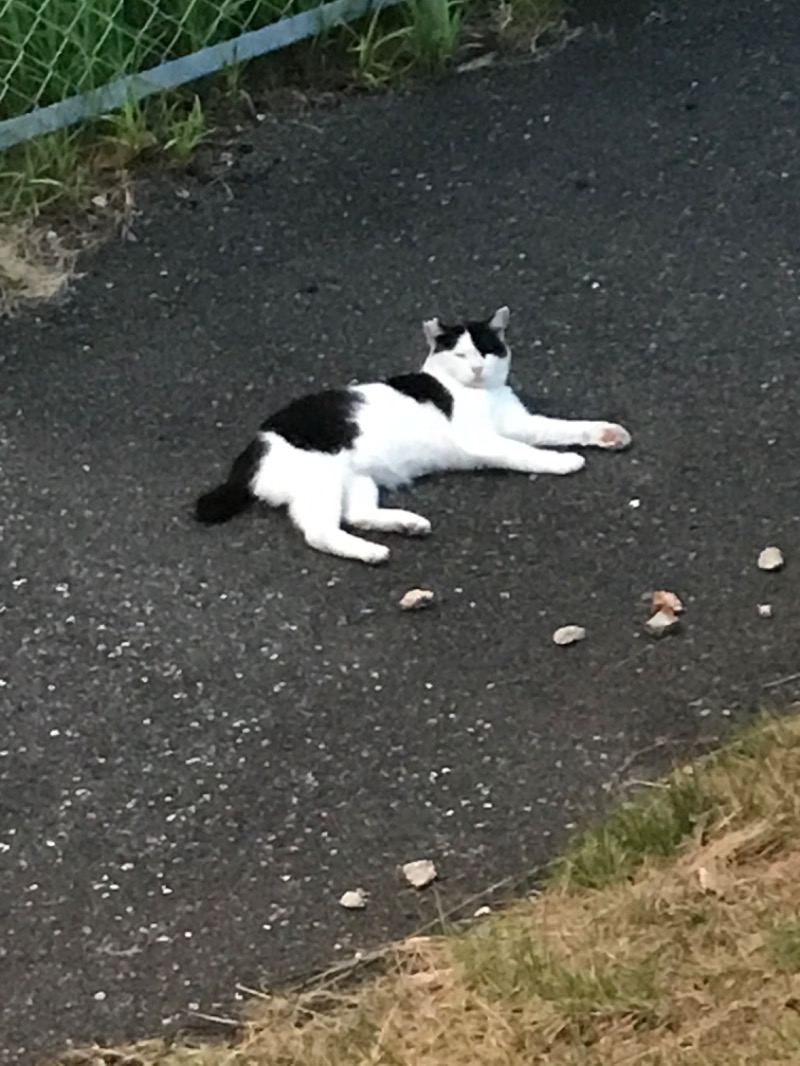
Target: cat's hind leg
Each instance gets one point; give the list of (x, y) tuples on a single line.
[(316, 509), (362, 510)]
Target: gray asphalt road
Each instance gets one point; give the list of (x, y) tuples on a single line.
[(208, 735)]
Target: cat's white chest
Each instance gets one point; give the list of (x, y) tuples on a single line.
[(477, 409)]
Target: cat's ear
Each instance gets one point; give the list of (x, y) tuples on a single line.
[(499, 320), (432, 328)]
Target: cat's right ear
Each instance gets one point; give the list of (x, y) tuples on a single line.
[(499, 321), (432, 328)]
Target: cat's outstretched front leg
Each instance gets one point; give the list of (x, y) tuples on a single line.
[(501, 453), (517, 423)]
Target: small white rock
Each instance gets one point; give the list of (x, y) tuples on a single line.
[(661, 622), (770, 559), (354, 900), (568, 635), (415, 599), (765, 610), (419, 873)]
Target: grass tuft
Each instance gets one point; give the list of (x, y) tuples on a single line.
[(40, 174), (435, 31), (380, 52), (650, 825), (420, 36)]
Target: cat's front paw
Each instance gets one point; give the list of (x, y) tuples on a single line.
[(610, 435), (375, 554), (567, 463), (415, 526)]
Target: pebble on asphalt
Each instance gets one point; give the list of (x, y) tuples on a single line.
[(419, 873), (354, 900), (770, 559), (568, 635)]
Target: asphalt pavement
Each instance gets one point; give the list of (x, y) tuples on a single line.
[(208, 735)]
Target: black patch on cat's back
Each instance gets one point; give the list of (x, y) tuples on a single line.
[(424, 388), (322, 422)]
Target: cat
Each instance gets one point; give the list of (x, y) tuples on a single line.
[(327, 455)]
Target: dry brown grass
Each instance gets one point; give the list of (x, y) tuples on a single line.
[(691, 958), (35, 265)]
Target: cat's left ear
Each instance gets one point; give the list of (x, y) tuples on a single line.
[(499, 321)]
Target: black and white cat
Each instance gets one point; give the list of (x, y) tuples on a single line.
[(327, 455)]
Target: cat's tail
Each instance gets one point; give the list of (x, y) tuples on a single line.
[(234, 495)]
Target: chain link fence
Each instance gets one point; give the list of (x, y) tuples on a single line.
[(54, 49)]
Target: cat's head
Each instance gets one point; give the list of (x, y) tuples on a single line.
[(473, 353)]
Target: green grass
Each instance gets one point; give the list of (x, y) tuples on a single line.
[(651, 825), (508, 960), (41, 174), (379, 52), (783, 944), (176, 126), (435, 31)]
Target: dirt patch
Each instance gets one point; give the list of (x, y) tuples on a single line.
[(35, 266)]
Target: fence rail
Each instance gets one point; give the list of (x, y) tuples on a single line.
[(66, 61)]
